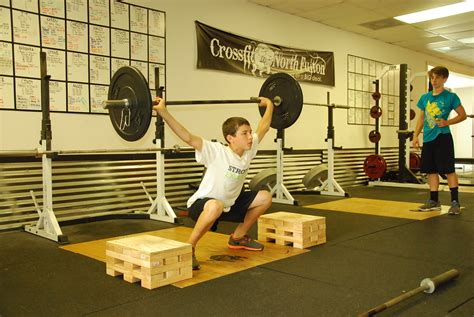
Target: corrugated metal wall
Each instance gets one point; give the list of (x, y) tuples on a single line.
[(89, 186)]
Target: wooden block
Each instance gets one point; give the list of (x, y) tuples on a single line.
[(284, 228), (150, 259)]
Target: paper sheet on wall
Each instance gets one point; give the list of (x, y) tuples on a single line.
[(53, 8), (56, 64), (156, 25), (77, 37), (26, 5), (5, 26), (98, 96), (78, 97), (99, 70), (119, 15), (138, 19), (76, 10), (120, 43), (156, 52), (28, 94), (26, 28), (27, 61), (7, 100), (99, 40), (6, 59), (53, 32), (99, 12), (139, 47), (77, 67), (57, 96)]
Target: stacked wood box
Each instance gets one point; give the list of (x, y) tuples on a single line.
[(297, 230), (152, 260)]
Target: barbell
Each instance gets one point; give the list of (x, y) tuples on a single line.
[(427, 285), (130, 102)]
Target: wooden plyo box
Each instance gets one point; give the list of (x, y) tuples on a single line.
[(285, 228), (152, 260)]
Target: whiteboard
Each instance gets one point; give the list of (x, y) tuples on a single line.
[(28, 94)]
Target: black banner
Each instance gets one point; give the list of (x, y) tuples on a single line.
[(232, 53)]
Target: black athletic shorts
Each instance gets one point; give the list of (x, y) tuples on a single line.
[(437, 156), (236, 213)]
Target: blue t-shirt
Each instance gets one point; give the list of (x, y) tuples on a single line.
[(437, 107)]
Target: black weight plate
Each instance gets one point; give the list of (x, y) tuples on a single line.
[(265, 179), (288, 88), (132, 123)]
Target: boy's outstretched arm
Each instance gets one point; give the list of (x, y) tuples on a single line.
[(190, 139), (264, 123)]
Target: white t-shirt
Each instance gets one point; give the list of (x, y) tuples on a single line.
[(225, 174)]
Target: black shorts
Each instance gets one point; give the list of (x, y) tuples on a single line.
[(236, 213), (437, 156)]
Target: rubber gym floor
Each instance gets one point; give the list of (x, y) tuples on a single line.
[(366, 261)]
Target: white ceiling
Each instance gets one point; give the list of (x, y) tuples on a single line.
[(351, 15)]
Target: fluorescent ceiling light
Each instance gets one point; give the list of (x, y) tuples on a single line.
[(436, 13), (467, 40)]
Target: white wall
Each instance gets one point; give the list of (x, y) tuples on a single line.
[(20, 130), (463, 131)]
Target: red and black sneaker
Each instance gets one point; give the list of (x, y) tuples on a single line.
[(245, 243)]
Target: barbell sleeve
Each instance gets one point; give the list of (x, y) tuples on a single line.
[(119, 103), (427, 285)]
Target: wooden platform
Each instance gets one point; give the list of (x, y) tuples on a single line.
[(297, 230), (385, 208), (215, 257), (150, 260)]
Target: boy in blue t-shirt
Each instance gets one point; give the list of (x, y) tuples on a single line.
[(437, 155)]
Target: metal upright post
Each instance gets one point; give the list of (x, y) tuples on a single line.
[(47, 225), (160, 208), (330, 185), (282, 194)]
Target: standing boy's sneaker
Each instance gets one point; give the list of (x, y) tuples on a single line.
[(455, 208), (430, 205)]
